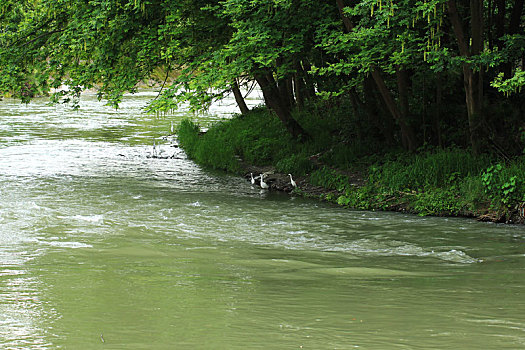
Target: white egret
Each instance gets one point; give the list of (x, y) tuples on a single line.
[(292, 181), (252, 180), (172, 127), (264, 185)]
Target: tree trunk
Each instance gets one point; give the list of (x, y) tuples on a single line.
[(346, 21), (406, 130), (402, 86), (277, 104), (490, 18), (372, 110), (515, 18), (298, 85), (473, 81), (513, 28), (437, 112), (239, 98), (474, 110), (499, 22), (285, 87)]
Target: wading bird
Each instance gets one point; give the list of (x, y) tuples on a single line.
[(292, 181), (263, 184), (252, 180)]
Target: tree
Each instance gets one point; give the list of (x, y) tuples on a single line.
[(473, 79), (412, 68)]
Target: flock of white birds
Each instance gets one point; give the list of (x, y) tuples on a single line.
[(264, 185)]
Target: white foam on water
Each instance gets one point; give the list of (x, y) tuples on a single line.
[(73, 245)]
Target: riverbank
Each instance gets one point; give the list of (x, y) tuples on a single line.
[(406, 202), (358, 174)]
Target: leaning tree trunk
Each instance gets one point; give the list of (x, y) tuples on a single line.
[(406, 130), (408, 133), (278, 105), (372, 110), (239, 98)]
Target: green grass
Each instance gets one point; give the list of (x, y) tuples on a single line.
[(436, 182), (432, 169), (215, 150), (258, 138)]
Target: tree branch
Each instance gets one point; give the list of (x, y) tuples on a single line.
[(43, 35), (32, 32)]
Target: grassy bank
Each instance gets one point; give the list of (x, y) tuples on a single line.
[(434, 181)]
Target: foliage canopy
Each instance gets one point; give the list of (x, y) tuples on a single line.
[(413, 72)]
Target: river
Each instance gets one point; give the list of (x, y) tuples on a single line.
[(104, 247)]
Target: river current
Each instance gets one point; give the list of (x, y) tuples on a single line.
[(103, 246)]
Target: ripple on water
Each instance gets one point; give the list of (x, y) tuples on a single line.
[(371, 247), (72, 245), (90, 218)]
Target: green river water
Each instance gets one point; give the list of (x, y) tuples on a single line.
[(103, 247)]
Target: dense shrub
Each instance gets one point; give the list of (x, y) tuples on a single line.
[(505, 185)]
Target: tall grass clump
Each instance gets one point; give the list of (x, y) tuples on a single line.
[(188, 135), (472, 193), (329, 178), (259, 137), (434, 169), (213, 149)]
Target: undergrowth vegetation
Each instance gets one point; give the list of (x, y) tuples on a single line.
[(258, 138), (436, 181)]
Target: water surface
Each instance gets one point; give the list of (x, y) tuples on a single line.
[(102, 246)]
